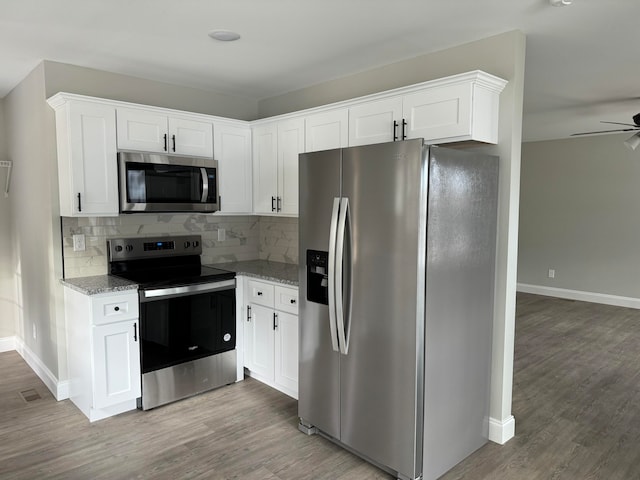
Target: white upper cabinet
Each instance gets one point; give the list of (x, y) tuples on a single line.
[(232, 150), (453, 109), (327, 130), (265, 168), (87, 157), (276, 147), (290, 145), (375, 122), (151, 131)]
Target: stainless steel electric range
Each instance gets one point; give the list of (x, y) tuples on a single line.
[(187, 316)]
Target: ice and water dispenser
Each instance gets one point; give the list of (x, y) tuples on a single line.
[(317, 280)]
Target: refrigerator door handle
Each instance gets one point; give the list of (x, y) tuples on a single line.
[(331, 274), (344, 228)]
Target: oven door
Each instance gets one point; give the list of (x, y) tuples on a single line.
[(160, 183), (186, 323)]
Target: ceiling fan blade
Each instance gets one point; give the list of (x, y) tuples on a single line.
[(606, 131), (618, 123)]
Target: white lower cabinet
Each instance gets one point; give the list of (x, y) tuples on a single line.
[(271, 334), (103, 352)]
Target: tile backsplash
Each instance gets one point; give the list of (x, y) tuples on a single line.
[(247, 237)]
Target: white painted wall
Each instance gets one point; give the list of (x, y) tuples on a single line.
[(7, 282), (502, 55), (579, 215), (34, 221)]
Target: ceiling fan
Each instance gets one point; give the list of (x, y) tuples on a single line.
[(633, 142)]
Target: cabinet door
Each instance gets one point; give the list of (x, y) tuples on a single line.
[(290, 145), (116, 363), (232, 146), (191, 138), (372, 122), (439, 113), (328, 130), (265, 168), (89, 161), (142, 131), (259, 341), (286, 351)]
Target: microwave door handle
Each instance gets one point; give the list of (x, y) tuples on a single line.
[(205, 185)]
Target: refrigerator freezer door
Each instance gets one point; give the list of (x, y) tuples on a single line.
[(319, 364), (382, 374)]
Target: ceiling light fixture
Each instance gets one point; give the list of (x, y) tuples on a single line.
[(560, 3), (633, 142), (224, 35)]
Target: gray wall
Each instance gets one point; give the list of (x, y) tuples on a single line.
[(502, 55), (37, 262), (579, 215), (62, 77), (7, 282)]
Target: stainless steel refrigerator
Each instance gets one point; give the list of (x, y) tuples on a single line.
[(397, 262)]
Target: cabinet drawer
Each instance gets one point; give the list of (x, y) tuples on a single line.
[(260, 293), (115, 308), (286, 299)]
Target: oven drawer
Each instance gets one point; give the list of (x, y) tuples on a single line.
[(115, 307), (286, 299), (260, 293)]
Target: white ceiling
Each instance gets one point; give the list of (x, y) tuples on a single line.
[(581, 64)]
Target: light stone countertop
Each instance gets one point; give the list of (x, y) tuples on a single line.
[(98, 284), (280, 272)]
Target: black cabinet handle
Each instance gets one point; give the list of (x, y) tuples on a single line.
[(165, 142), (293, 301), (404, 124), (395, 130), (275, 320), (279, 204), (273, 204), (79, 202), (259, 294), (117, 309), (173, 138), (219, 202), (248, 313), (135, 332)]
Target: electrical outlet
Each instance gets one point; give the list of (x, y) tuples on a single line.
[(35, 332), (552, 273), (78, 243), (222, 234)]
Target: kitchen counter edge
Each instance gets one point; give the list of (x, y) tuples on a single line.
[(280, 272), (98, 284)]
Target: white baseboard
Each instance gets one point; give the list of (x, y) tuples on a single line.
[(7, 344), (592, 297), (59, 389), (501, 431)]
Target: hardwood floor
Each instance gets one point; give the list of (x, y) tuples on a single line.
[(576, 401)]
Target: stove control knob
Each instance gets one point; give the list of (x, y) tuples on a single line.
[(129, 248), (195, 244), (187, 244), (118, 248)]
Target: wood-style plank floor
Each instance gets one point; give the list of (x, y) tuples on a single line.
[(576, 403)]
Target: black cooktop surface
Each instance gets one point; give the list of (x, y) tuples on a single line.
[(150, 275)]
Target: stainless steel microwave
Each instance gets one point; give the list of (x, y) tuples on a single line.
[(161, 183)]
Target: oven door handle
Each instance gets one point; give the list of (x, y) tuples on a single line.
[(171, 292)]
